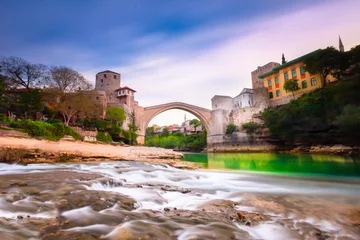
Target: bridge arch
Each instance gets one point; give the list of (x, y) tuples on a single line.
[(203, 114)]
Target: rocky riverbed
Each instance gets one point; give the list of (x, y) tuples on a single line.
[(137, 200)]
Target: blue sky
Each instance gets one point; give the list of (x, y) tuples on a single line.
[(174, 50)]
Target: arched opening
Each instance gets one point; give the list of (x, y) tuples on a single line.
[(167, 127)]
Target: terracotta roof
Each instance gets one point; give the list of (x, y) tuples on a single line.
[(126, 87)]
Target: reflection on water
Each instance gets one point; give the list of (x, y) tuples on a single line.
[(278, 163)]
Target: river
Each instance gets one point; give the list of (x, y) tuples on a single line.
[(234, 196)]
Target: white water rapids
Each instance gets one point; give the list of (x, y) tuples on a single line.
[(159, 187)]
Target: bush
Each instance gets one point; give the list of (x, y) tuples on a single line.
[(231, 128), (104, 137), (2, 118), (349, 120), (52, 121), (102, 125), (46, 130), (251, 127)]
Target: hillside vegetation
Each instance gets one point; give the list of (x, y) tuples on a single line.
[(329, 115)]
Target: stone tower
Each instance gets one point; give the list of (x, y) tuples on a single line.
[(256, 81), (341, 45), (108, 81)]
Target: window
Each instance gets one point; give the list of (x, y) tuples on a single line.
[(278, 93), (302, 70), (276, 80), (304, 84), (293, 73), (97, 98), (104, 75), (313, 82), (114, 76), (102, 80), (269, 83), (286, 76), (271, 95)]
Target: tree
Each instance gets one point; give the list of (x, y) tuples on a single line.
[(231, 128), (165, 132), (21, 72), (195, 122), (66, 80), (116, 114), (131, 134), (73, 104), (150, 130), (324, 62), (2, 89), (354, 59), (291, 85)]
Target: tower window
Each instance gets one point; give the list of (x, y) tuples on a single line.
[(104, 75), (102, 80), (114, 76)]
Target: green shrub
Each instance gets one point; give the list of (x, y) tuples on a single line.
[(102, 125), (251, 127), (104, 137), (46, 130), (53, 121), (231, 128), (349, 120), (2, 118)]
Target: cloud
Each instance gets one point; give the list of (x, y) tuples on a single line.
[(181, 69), (191, 70)]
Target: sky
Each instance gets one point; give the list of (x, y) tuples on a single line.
[(174, 50)]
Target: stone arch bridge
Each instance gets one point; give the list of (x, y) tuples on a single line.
[(144, 115)]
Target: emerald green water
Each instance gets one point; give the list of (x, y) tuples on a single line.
[(278, 163)]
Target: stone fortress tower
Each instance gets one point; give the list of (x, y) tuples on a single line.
[(110, 82)]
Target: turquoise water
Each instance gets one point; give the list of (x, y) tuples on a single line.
[(278, 163)]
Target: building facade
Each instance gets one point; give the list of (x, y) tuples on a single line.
[(275, 79)]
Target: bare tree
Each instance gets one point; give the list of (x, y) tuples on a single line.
[(75, 104), (66, 80), (21, 72)]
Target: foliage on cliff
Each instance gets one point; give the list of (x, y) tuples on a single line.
[(335, 107), (231, 128)]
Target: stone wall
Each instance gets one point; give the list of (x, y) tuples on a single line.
[(239, 142), (84, 133)]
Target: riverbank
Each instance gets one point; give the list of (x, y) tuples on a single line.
[(27, 151), (333, 149)]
